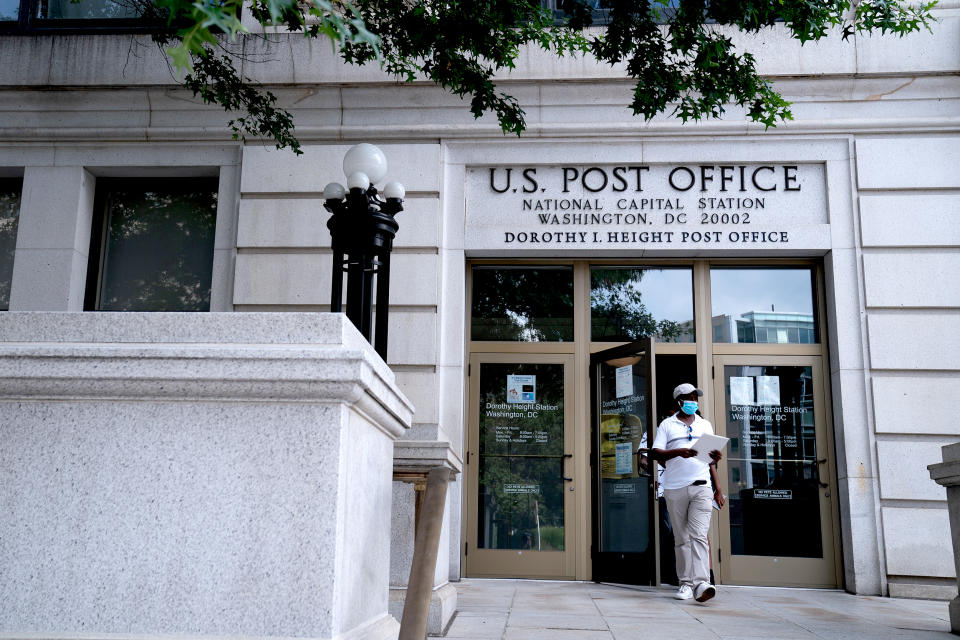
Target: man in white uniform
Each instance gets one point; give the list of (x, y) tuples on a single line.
[(688, 492)]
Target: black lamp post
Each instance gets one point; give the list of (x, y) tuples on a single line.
[(362, 229)]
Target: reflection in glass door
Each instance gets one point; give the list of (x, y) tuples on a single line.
[(621, 384), (519, 477), (777, 528)]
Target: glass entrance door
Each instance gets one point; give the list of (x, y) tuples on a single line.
[(778, 526), (520, 477), (621, 382)]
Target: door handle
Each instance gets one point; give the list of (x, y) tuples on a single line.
[(816, 476), (566, 479)]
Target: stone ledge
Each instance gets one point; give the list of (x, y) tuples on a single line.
[(419, 456), (306, 357), (169, 327), (947, 473)]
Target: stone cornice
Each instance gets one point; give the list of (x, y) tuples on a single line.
[(947, 473), (326, 112), (456, 132), (419, 456)]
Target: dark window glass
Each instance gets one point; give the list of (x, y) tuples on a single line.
[(763, 305), (9, 217), (661, 10), (155, 246), (83, 16), (774, 480), (627, 303), (86, 9), (525, 304)]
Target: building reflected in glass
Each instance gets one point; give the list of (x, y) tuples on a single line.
[(765, 327)]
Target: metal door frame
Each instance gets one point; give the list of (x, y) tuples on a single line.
[(783, 571), (633, 565), (512, 562)]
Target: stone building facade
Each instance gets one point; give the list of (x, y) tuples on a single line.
[(860, 190)]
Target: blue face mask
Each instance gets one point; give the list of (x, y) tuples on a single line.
[(689, 407)]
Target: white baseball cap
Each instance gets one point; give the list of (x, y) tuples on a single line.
[(685, 389)]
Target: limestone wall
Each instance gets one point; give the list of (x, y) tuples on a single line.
[(909, 212)]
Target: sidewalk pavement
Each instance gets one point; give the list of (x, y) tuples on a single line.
[(554, 610)]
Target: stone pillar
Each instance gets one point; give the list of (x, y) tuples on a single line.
[(53, 240), (947, 474), (191, 475), (413, 460)]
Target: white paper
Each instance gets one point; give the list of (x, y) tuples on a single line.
[(768, 390), (624, 460), (741, 390), (521, 389), (707, 443), (625, 381)]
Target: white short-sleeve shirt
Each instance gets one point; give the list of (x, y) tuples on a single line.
[(672, 434)]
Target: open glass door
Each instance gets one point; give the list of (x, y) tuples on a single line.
[(519, 476), (624, 512), (778, 527)]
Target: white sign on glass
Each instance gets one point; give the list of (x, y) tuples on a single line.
[(768, 390), (774, 494), (624, 458), (521, 488), (741, 390), (521, 389), (625, 381)]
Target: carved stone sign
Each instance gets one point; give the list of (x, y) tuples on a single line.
[(603, 208)]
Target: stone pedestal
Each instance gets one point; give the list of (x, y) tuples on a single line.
[(947, 473), (194, 475)]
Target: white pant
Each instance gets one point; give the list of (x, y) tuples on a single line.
[(690, 510)]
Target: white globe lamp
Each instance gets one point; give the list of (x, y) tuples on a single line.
[(394, 190), (367, 159), (358, 180), (334, 191)]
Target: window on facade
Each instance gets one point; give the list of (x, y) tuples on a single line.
[(37, 16), (763, 305), (627, 303), (525, 304), (9, 10), (152, 245), (85, 10), (9, 217), (600, 10)]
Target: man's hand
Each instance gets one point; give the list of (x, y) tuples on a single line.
[(686, 453), (716, 456), (643, 463), (718, 498)]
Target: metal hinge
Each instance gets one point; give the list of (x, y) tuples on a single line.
[(469, 367), (466, 548), (713, 372)]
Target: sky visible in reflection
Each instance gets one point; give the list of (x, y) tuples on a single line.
[(734, 292)]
